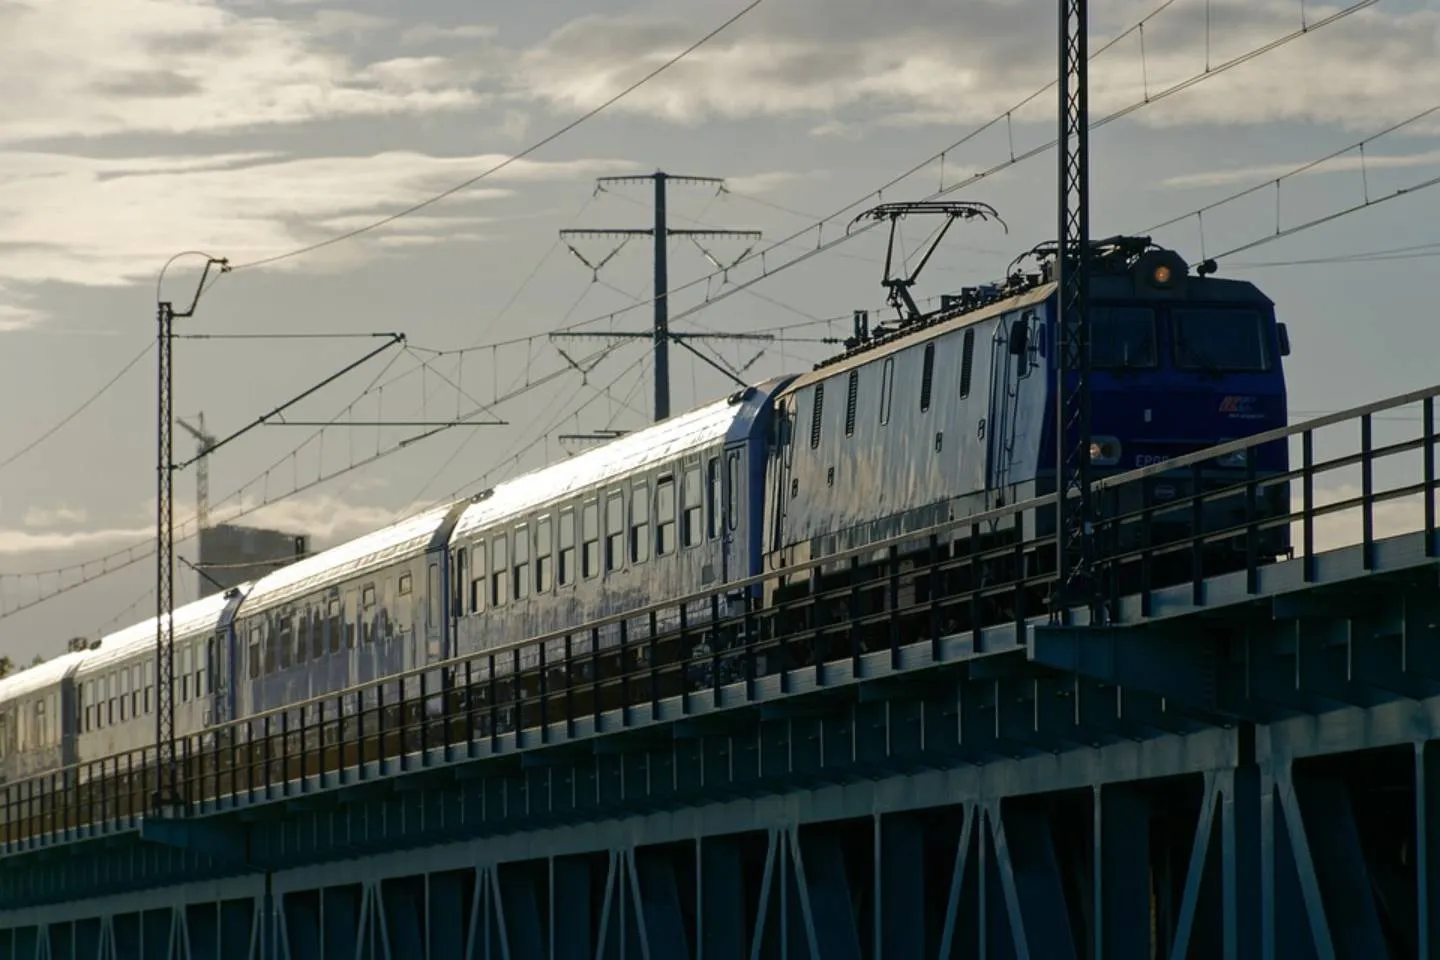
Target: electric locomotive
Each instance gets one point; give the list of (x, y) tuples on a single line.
[(953, 413)]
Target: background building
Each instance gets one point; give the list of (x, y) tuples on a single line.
[(231, 555)]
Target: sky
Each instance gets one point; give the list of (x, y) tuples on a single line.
[(135, 130)]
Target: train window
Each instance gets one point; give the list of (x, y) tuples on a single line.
[(335, 627), (522, 562), (1220, 340), (615, 531), (287, 640), (692, 508), (852, 397), (135, 690), (567, 547), (887, 389), (640, 522), (317, 634), (816, 414), (302, 638), (255, 652), (544, 554), (149, 683), (927, 377), (405, 583), (499, 570), (432, 595), (478, 581), (967, 361), (387, 606), (1122, 337), (715, 496), (458, 591), (732, 492), (351, 619), (590, 539), (665, 516)]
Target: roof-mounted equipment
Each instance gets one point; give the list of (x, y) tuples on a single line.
[(899, 287)]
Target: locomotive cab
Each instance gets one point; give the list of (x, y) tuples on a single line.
[(1181, 363)]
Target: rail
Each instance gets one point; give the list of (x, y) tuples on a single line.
[(1177, 522)]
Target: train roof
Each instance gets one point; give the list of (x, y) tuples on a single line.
[(40, 676), (351, 559), (199, 616), (918, 333), (660, 443)]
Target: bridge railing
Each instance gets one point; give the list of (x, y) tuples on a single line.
[(1173, 523)]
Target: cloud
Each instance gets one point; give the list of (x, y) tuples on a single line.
[(18, 316), (426, 33), (935, 63), (1348, 163), (329, 519), (57, 516), (766, 182), (180, 66), (95, 221)]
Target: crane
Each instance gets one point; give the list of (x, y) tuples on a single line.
[(202, 469)]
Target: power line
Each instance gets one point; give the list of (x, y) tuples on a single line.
[(78, 410), (823, 246), (519, 156), (129, 556), (1421, 251), (1359, 145)]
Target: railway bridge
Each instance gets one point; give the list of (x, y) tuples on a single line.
[(1238, 765)]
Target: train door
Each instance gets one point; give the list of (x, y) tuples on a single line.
[(221, 653), (431, 640), (780, 473), (1001, 423), (735, 517), (1012, 408)]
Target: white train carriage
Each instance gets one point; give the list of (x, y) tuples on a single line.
[(661, 513), (37, 718), (116, 681), (367, 609)]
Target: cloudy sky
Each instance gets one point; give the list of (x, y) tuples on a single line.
[(133, 130)]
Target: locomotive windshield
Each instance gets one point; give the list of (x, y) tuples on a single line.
[(1122, 338), (1220, 340)]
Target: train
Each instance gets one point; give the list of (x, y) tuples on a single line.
[(935, 417)]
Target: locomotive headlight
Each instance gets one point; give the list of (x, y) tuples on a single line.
[(1161, 276), (1104, 451)]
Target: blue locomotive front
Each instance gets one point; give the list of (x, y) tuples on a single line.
[(1179, 364)]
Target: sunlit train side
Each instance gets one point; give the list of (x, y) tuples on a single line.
[(663, 512), (368, 608), (955, 414), (116, 680), (37, 718)]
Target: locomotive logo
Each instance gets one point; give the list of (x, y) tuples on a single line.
[(1240, 408)]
